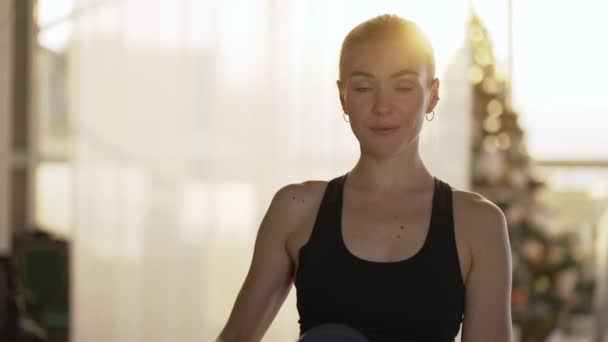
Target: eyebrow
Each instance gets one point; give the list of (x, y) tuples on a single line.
[(394, 75)]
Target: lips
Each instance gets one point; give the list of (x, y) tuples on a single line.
[(384, 130)]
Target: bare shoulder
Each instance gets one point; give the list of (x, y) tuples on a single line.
[(272, 268), (480, 220), (297, 197), (488, 282), (473, 206), (296, 202)]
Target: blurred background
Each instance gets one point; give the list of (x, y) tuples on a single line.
[(141, 142)]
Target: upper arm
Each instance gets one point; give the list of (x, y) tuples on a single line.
[(268, 280), (487, 314)]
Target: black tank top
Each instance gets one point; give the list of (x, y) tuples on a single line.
[(417, 299)]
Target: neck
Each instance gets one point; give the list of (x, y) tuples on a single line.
[(403, 172)]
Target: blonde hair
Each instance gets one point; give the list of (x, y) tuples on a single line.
[(388, 26)]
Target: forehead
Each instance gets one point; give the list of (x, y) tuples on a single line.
[(384, 57)]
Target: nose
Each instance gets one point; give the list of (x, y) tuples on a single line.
[(382, 101)]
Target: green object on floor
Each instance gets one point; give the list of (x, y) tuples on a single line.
[(44, 269)]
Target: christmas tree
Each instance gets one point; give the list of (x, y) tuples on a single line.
[(545, 265)]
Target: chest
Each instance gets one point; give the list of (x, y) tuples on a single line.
[(399, 293), (387, 229), (383, 230)]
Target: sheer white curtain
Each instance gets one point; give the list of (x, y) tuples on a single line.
[(6, 50), (187, 117)]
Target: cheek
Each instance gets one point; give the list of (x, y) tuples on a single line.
[(412, 102), (357, 103)]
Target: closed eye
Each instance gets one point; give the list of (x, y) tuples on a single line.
[(404, 89), (363, 89)]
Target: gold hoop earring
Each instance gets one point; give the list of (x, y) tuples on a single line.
[(432, 116), (344, 117)]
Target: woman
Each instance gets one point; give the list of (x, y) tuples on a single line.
[(386, 249)]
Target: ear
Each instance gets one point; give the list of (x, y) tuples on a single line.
[(341, 94), (434, 95)]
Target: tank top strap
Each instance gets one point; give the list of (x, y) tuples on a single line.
[(441, 229), (325, 232), (444, 210)]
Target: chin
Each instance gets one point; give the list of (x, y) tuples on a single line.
[(382, 152), (387, 146)]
